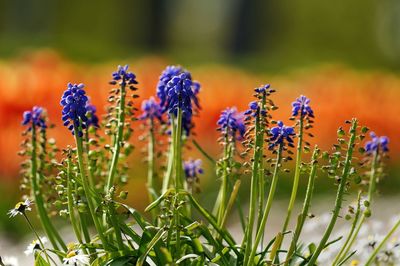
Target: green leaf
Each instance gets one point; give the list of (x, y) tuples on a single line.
[(117, 258), (158, 200), (150, 246), (136, 215), (187, 257), (40, 261)]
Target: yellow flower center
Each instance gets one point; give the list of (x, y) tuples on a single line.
[(71, 254)]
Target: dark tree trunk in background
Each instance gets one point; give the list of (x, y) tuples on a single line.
[(251, 25), (157, 21)]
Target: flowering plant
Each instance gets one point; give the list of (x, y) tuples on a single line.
[(86, 186)]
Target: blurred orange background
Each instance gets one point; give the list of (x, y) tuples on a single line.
[(337, 93)]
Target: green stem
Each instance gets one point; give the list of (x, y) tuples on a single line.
[(339, 196), (178, 152), (383, 242), (114, 221), (48, 227), (371, 190), (257, 157), (168, 173), (87, 189), (296, 176), (71, 210), (306, 206), (37, 236), (118, 140), (224, 184), (268, 206), (151, 168), (342, 252)]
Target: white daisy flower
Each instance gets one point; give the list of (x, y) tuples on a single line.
[(74, 258), (20, 208), (35, 245), (9, 261)]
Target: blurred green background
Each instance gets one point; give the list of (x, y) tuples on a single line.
[(258, 34)]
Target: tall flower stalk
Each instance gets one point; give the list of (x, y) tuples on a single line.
[(124, 79), (375, 149), (281, 135), (74, 101), (340, 193), (35, 120), (306, 205), (232, 127), (257, 112), (303, 111), (151, 114)]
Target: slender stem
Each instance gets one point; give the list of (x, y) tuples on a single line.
[(231, 201), (87, 188), (178, 152), (383, 242), (261, 196), (177, 225), (372, 180), (71, 210), (48, 227), (371, 190), (117, 230), (268, 206), (306, 206), (151, 167), (257, 157), (339, 196), (168, 173), (296, 175), (119, 138), (37, 236), (341, 253), (91, 167), (224, 184), (177, 162)]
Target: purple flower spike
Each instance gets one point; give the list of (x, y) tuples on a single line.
[(377, 144), (231, 122), (301, 106), (74, 102), (151, 110), (34, 117), (123, 76), (93, 120), (280, 134), (166, 76), (192, 168)]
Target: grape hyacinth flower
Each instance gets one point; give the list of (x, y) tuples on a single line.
[(74, 102), (280, 134), (92, 118), (192, 169), (166, 76), (151, 110), (20, 208), (377, 144), (176, 89), (254, 107), (123, 76), (34, 117), (301, 106), (231, 123)]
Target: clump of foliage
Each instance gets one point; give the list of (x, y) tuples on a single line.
[(86, 187)]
